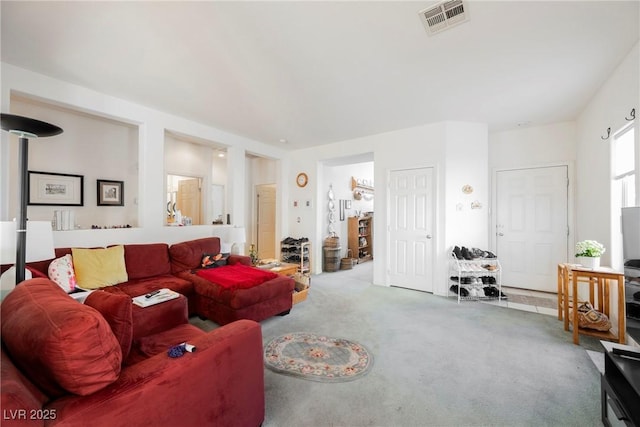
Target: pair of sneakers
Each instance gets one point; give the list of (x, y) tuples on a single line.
[(470, 254), (463, 291)]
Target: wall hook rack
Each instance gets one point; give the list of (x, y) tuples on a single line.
[(632, 114), (608, 134)]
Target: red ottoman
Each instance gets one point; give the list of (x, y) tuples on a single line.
[(225, 304)]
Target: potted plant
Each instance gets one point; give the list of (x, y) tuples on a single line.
[(589, 252)]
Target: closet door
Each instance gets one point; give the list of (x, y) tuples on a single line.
[(411, 229)]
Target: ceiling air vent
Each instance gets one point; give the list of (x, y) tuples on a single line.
[(443, 15)]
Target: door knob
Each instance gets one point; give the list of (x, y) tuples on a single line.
[(428, 236)]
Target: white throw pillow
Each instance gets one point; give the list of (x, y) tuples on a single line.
[(61, 272)]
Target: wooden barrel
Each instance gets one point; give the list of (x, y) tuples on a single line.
[(332, 242), (331, 259)]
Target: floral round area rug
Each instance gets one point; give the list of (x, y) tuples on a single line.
[(317, 357)]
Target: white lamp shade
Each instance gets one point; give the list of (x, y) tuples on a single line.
[(39, 241), (237, 235)]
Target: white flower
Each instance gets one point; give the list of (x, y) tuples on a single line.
[(589, 248)]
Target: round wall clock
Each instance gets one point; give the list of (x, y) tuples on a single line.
[(302, 179)]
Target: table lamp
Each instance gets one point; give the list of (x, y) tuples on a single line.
[(39, 245), (25, 128), (237, 236)]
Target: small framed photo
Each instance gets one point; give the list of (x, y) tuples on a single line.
[(110, 193), (55, 189)]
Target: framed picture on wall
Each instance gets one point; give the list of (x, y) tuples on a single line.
[(110, 193), (54, 189)]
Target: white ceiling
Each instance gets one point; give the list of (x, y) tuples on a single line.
[(315, 72)]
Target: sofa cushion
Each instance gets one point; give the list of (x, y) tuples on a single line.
[(135, 288), (161, 342), (147, 260), (61, 271), (96, 268), (213, 260), (62, 346), (117, 311), (187, 255)]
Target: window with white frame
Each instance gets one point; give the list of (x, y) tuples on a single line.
[(624, 167)]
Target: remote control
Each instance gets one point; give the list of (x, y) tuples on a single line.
[(151, 294)]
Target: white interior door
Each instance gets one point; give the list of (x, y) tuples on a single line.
[(531, 225), (411, 229), (266, 232)]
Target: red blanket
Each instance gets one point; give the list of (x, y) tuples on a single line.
[(236, 276)]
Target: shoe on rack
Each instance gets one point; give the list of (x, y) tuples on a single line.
[(464, 292), (466, 254), (454, 289), (457, 253), (490, 255), (476, 253), (473, 292), (636, 296), (490, 291), (454, 278)]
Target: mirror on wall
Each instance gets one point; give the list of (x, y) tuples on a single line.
[(184, 200), (217, 204)]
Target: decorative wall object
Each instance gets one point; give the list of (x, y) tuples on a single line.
[(55, 189), (110, 193), (302, 179), (332, 209)]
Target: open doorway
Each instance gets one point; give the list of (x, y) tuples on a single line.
[(349, 215), (266, 221), (184, 199), (262, 218)]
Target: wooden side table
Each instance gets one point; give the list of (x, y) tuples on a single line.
[(564, 295), (601, 278)]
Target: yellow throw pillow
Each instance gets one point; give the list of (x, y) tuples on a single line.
[(97, 268)]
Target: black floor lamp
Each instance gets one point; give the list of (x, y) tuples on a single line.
[(25, 128)]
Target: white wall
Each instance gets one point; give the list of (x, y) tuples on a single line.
[(466, 164), (417, 147), (543, 145), (535, 146), (108, 149), (608, 109), (151, 126)]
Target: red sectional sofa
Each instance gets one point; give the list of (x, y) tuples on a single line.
[(70, 364), (155, 266)]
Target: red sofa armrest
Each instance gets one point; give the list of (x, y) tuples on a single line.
[(20, 398), (239, 259), (221, 383)]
